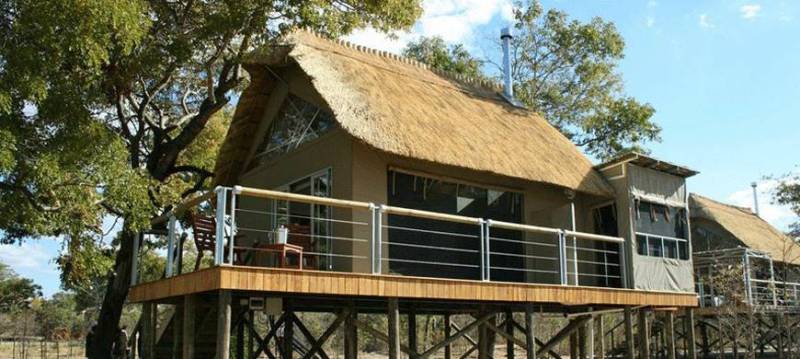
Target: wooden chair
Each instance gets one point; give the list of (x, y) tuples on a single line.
[(300, 235), (205, 236)]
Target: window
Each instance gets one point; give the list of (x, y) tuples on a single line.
[(297, 122), (661, 231)]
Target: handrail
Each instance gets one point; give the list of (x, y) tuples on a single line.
[(523, 227), (270, 194), (430, 215), (592, 236)]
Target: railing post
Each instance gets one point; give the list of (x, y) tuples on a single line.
[(375, 238), (562, 256), (220, 246), (170, 244), (747, 284), (483, 250), (772, 283), (135, 263), (623, 266), (231, 242), (485, 225)]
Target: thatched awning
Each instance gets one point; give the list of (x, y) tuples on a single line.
[(401, 107), (747, 227)]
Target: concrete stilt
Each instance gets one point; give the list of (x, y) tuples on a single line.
[(224, 325), (393, 314)]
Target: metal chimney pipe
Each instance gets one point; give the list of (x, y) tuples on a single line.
[(508, 85), (755, 197)]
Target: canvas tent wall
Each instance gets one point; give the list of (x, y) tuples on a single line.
[(656, 221)]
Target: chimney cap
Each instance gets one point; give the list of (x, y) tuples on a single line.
[(506, 33)]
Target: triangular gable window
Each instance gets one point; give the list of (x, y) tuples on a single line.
[(297, 122)]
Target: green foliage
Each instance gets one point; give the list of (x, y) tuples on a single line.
[(567, 70), (108, 107), (788, 193), (435, 52), (16, 292), (58, 317)]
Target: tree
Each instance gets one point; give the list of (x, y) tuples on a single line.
[(788, 193), (567, 71), (15, 291), (102, 100), (435, 52)]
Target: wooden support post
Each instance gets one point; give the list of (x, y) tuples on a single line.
[(583, 340), (601, 338), (779, 339), (590, 338), (412, 331), (224, 325), (148, 329), (629, 343), (288, 330), (530, 332), (189, 305), (573, 345), (394, 328), (509, 331), (691, 348), (447, 334), (240, 332), (644, 335), (351, 335), (670, 335), (177, 330), (705, 340), (483, 340)]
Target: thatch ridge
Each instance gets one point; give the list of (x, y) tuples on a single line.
[(752, 230), (485, 83)]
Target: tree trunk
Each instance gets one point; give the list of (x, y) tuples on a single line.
[(114, 299)]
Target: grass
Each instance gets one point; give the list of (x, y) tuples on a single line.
[(38, 349)]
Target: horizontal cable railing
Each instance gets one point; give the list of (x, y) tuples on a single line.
[(256, 227)]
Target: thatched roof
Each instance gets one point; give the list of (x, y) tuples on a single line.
[(402, 107), (747, 227)]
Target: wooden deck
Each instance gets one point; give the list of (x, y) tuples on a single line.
[(307, 282)]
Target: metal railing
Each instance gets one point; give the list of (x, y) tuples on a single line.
[(760, 286), (394, 240)]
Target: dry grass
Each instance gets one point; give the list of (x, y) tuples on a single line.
[(37, 349)]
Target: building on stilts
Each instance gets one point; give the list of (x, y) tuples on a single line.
[(748, 281), (370, 190)]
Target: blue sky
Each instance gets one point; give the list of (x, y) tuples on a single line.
[(722, 75)]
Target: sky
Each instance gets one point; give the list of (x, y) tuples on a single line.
[(722, 75)]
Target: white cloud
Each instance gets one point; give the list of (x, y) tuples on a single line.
[(28, 257), (777, 215), (650, 21), (652, 3), (452, 20), (705, 22), (750, 11)]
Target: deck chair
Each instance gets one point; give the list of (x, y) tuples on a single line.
[(205, 234)]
